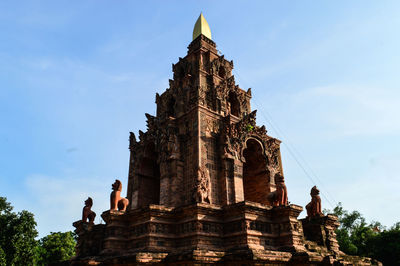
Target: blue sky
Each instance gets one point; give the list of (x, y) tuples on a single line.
[(77, 76)]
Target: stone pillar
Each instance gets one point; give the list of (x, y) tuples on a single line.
[(238, 181), (133, 187), (175, 183), (226, 182), (165, 176)]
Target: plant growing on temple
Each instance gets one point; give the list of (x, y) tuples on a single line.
[(249, 128)]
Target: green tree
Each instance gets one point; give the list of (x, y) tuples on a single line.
[(352, 230), (56, 247), (356, 237), (385, 246), (17, 236), (2, 257)]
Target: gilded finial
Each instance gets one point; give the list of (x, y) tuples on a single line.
[(201, 27)]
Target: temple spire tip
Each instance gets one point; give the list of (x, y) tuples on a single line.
[(201, 27)]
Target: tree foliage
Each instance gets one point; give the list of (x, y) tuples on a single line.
[(356, 237), (18, 245), (17, 235), (56, 247), (2, 257)]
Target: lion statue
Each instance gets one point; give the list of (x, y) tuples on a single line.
[(87, 213), (116, 202), (279, 196), (314, 207)]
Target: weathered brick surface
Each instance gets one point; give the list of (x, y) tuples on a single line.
[(206, 184)]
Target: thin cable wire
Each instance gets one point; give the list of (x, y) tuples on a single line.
[(290, 148), (294, 152), (289, 143)]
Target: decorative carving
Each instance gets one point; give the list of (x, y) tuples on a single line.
[(132, 141), (228, 108), (202, 188), (116, 202), (314, 207), (151, 122), (260, 131), (173, 147), (152, 228), (227, 143), (141, 136), (249, 92), (212, 125), (199, 226), (87, 213), (273, 153), (275, 158), (247, 225), (230, 82)]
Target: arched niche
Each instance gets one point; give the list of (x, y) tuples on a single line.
[(255, 173), (149, 177), (171, 107), (234, 104), (222, 72)]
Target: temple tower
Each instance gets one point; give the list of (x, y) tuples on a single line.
[(206, 183), (203, 144)]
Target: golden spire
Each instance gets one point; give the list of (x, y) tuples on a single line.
[(201, 27)]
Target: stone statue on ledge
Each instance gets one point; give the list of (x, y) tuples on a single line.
[(87, 213), (281, 191), (279, 196), (314, 207), (116, 202)]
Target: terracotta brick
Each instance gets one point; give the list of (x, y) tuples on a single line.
[(206, 184)]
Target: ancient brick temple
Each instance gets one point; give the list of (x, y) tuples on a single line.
[(206, 183)]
